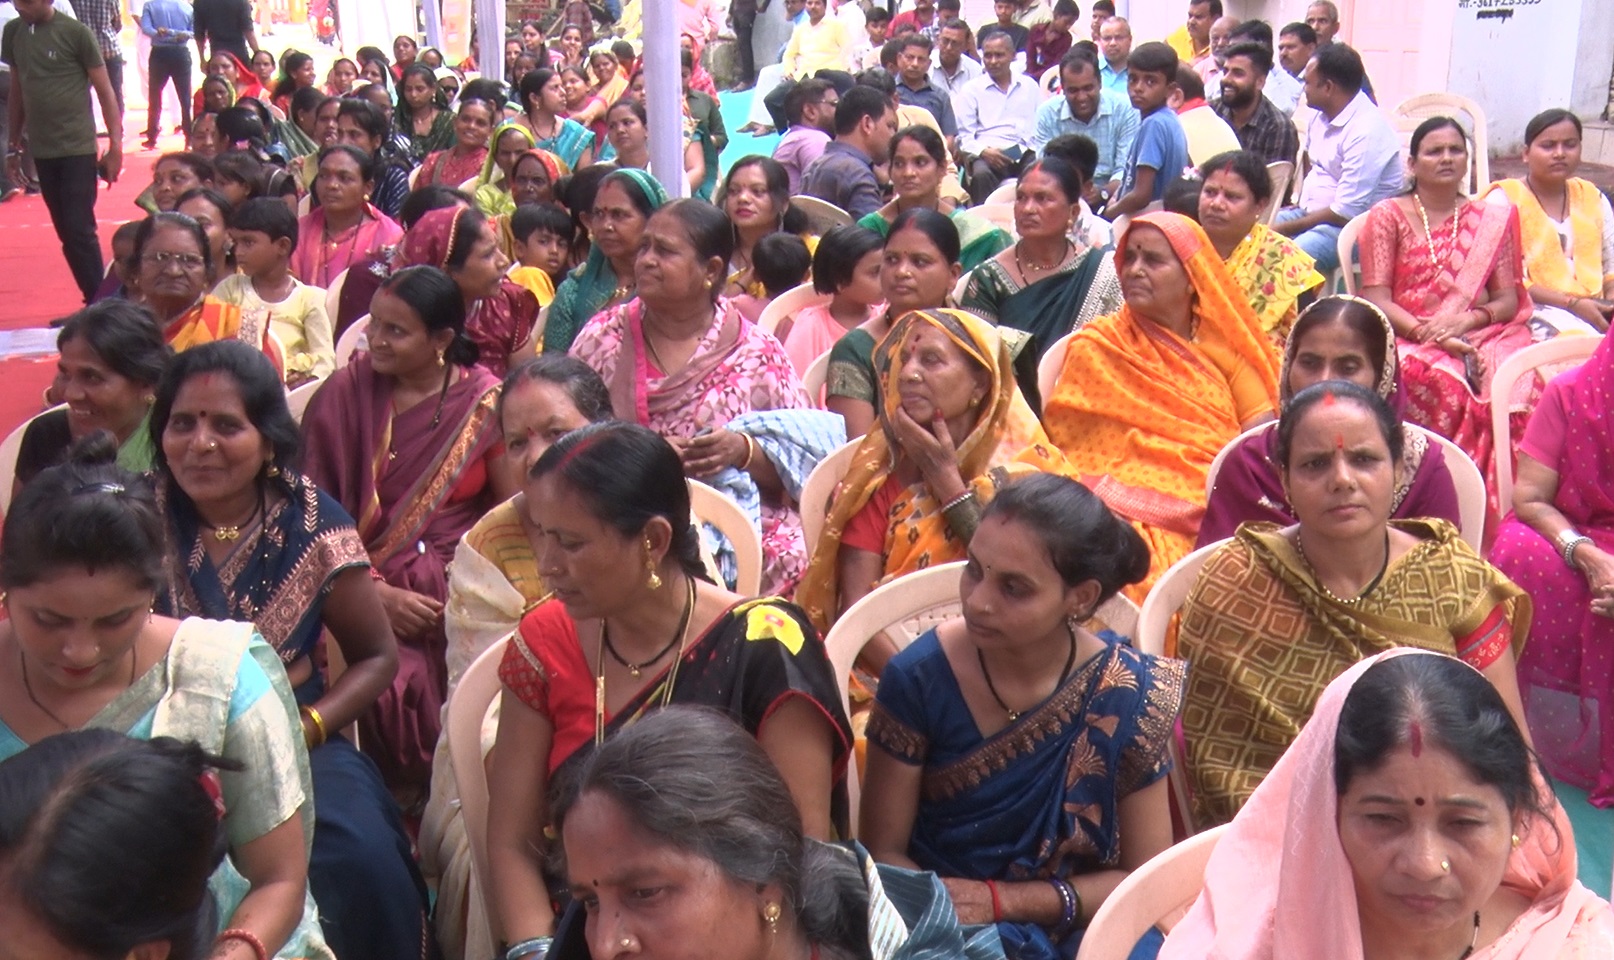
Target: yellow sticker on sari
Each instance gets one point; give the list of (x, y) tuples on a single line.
[(766, 622)]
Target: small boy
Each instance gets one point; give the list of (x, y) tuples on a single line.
[(120, 281), (1005, 10), (541, 237), (264, 232), (865, 53), (1160, 151), (1048, 42), (781, 261)]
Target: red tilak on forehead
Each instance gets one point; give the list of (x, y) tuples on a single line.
[(1328, 398), (1415, 738), (1339, 442)]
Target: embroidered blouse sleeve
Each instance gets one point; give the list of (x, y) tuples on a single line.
[(897, 723), (521, 671), (1146, 757)]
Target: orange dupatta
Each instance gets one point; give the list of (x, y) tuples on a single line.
[(1544, 260), (1140, 413), (211, 319), (1006, 441)]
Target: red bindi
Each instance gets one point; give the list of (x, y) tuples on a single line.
[(1339, 442), (1328, 398), (1415, 738), (1418, 801)]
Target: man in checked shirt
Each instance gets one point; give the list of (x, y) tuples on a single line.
[(105, 20)]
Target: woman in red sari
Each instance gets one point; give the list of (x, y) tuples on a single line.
[(405, 439), (473, 125), (1448, 271)]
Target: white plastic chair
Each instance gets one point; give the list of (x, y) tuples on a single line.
[(1349, 264), (462, 725), (788, 304), (1280, 172), (1157, 894), (1558, 350), (333, 295), (815, 376), (1049, 367), (1050, 82), (1120, 615), (1409, 113), (352, 341), (820, 485), (305, 205), (297, 398), (718, 509), (1000, 214), (821, 214), (10, 447), (1159, 607), (1005, 191), (904, 608), (963, 281)]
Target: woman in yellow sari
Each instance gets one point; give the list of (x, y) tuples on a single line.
[(1567, 227), (1149, 395), (1277, 277), (953, 429)]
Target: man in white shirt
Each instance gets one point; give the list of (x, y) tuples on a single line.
[(996, 119), (952, 69)]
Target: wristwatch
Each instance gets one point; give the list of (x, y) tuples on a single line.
[(1568, 539)]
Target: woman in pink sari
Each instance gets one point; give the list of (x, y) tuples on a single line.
[(345, 228), (1448, 272), (1407, 815), (681, 360), (1560, 547), (406, 440)]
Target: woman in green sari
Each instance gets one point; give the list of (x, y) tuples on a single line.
[(492, 193), (1046, 284), (918, 164), (82, 563), (622, 207)]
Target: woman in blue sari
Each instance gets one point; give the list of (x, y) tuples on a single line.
[(1016, 754), (252, 540)]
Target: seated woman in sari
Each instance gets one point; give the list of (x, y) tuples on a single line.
[(1149, 395), (453, 167), (1339, 854), (83, 545), (918, 271), (491, 189), (1447, 272), (1277, 277), (346, 227), (252, 540), (295, 136), (621, 208), (1559, 546), (846, 268), (1020, 757), (543, 114), (1045, 285), (1569, 252), (1279, 612), (1336, 338), (500, 315), (756, 197), (111, 357), (422, 114), (681, 360), (628, 145), (779, 893), (173, 259), (954, 429), (634, 626), (367, 274), (918, 165), (404, 438)]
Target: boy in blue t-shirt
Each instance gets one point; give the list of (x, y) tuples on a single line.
[(1160, 151)]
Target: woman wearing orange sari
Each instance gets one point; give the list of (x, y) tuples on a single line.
[(1447, 271), (1149, 395), (174, 261), (953, 429)]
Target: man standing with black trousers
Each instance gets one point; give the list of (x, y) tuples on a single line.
[(54, 61), (168, 24), (224, 25)]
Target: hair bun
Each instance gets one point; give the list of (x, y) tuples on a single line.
[(95, 450)]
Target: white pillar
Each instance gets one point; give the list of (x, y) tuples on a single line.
[(664, 92), (490, 38)]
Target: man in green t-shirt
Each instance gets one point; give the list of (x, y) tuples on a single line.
[(54, 61)]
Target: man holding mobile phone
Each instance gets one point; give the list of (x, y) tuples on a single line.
[(54, 61)]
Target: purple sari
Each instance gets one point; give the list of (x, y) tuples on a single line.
[(1565, 675), (415, 483), (1248, 490)]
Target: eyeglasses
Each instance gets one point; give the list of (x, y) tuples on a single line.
[(185, 261)]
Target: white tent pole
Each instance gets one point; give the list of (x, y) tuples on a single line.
[(664, 92)]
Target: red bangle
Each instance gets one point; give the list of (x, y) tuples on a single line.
[(247, 937), (997, 904)]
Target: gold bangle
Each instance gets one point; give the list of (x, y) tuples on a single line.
[(319, 726), (750, 451)]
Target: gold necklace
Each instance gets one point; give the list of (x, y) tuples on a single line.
[(1429, 236), (232, 533), (1039, 267), (1371, 586)]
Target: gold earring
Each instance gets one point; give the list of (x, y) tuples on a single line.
[(650, 565), (1515, 836), (440, 357), (974, 402), (270, 470), (771, 913)]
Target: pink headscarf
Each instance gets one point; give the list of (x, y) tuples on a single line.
[(1279, 886), (430, 240)]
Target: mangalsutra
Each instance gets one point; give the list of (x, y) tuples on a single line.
[(1429, 236), (1070, 661), (27, 686), (232, 532), (1372, 584), (633, 669), (1039, 267)]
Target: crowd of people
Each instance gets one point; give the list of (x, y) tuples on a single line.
[(1056, 297)]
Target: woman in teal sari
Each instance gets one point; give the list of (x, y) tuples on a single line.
[(622, 207), (1016, 754), (82, 565), (1046, 284), (918, 164)]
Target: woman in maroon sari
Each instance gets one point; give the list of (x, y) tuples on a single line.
[(1336, 338), (1560, 547), (405, 438)]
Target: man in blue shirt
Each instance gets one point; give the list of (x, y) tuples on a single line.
[(914, 88), (168, 24), (1115, 42), (1097, 114), (843, 174), (1160, 151)]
